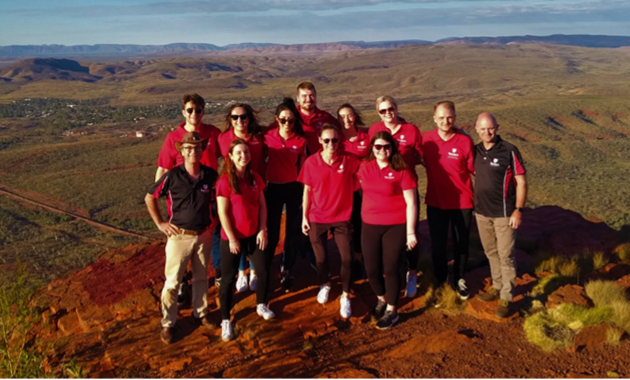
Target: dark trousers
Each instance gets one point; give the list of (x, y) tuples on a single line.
[(342, 232), (439, 220), (229, 269), (277, 195), (355, 219), (383, 250)]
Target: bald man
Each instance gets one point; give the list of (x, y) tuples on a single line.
[(500, 193)]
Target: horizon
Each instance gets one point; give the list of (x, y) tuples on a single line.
[(150, 22)]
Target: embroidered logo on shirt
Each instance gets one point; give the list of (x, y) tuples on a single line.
[(495, 162), (453, 154), (205, 189), (402, 140), (340, 170), (390, 175)]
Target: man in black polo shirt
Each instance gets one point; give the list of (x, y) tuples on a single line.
[(500, 193), (188, 188)]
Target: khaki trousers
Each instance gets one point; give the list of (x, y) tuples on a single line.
[(498, 238), (180, 249)]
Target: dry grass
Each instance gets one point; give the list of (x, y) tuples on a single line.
[(599, 260), (613, 336), (605, 293), (448, 300), (623, 251)]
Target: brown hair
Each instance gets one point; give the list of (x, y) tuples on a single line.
[(357, 116), (252, 127), (230, 169), (289, 105), (328, 127), (196, 99), (446, 103), (396, 162), (306, 86)]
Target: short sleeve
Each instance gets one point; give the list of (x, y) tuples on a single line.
[(518, 167), (160, 187), (223, 187), (305, 174), (164, 159), (407, 180), (259, 181)]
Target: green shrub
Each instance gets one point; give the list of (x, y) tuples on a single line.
[(449, 300), (604, 293), (599, 260), (544, 331)]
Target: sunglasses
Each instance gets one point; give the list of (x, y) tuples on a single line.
[(382, 146), (386, 110), (243, 117), (188, 149), (334, 140), (285, 121), (197, 110)]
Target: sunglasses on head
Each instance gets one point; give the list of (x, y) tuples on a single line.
[(285, 121), (334, 140), (197, 110), (386, 110), (236, 117), (382, 146)]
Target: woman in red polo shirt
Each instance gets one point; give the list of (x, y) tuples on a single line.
[(409, 143), (389, 222), (241, 122), (328, 178), (286, 147), (243, 214)]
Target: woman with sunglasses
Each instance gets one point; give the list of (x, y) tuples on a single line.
[(408, 142), (389, 222), (328, 178), (243, 214), (241, 122), (286, 147)]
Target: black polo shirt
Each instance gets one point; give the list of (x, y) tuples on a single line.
[(188, 200), (495, 184)]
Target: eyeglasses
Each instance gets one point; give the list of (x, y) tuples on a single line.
[(285, 121), (382, 146), (334, 140), (188, 149), (197, 110), (386, 110), (243, 117)]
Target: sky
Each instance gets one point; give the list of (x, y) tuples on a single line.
[(222, 22)]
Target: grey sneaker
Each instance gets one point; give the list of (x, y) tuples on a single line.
[(387, 320), (489, 296), (378, 310)]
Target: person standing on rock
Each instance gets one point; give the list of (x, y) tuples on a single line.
[(449, 161), (408, 141), (389, 215), (329, 177), (500, 194), (188, 188), (193, 106), (241, 122), (243, 214)]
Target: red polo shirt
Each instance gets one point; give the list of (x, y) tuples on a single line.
[(331, 187), (360, 146), (285, 156), (243, 208), (169, 157), (449, 165), (408, 141), (256, 149), (383, 200)]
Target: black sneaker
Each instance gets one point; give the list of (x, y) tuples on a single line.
[(378, 310), (387, 320), (287, 284), (461, 289)]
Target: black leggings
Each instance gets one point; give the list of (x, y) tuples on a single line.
[(439, 220), (355, 219), (319, 239), (229, 269), (383, 250), (277, 195)]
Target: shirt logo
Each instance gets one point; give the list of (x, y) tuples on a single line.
[(340, 170), (362, 142), (453, 154), (390, 175), (402, 140), (495, 162), (205, 189), (294, 148)]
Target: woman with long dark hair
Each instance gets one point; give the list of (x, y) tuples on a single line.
[(243, 213), (241, 123), (389, 222), (287, 151)]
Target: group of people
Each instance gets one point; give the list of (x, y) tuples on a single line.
[(331, 176)]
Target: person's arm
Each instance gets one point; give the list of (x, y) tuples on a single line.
[(154, 210), (306, 208), (222, 205), (521, 196), (261, 239), (417, 147), (412, 217), (160, 172)]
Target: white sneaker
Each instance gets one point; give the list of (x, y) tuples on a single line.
[(410, 290), (345, 310), (322, 296), (252, 281), (241, 283), (227, 333), (264, 311)]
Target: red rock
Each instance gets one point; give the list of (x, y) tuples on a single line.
[(568, 294), (444, 341), (69, 323), (624, 281), (591, 336)]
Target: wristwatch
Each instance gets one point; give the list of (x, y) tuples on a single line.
[(520, 209)]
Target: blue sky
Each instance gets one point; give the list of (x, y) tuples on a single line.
[(222, 22)]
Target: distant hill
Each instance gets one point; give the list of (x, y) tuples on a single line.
[(35, 69), (584, 40)]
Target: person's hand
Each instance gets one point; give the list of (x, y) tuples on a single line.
[(411, 241), (168, 229), (515, 219), (306, 226), (261, 239), (235, 247)]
